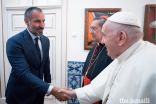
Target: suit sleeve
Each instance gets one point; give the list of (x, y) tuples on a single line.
[(47, 75), (21, 68), (86, 95)]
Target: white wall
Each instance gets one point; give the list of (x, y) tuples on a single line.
[(76, 17)]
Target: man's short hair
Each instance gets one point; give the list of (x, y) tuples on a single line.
[(102, 20), (28, 12), (133, 32)]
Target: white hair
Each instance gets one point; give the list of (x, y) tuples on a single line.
[(133, 32)]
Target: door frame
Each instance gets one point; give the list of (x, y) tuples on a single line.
[(2, 83)]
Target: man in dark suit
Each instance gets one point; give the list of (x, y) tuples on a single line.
[(28, 54)]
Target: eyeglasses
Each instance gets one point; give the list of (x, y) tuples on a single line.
[(92, 29)]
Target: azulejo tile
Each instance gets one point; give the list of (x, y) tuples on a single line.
[(71, 71), (74, 82), (78, 64), (70, 101), (82, 64), (78, 71), (74, 77), (71, 64), (75, 100)]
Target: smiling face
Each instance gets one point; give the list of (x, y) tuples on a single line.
[(36, 23), (95, 31), (110, 40)]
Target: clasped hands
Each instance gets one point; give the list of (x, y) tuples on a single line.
[(63, 94)]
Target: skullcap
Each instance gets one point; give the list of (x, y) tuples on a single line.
[(125, 17)]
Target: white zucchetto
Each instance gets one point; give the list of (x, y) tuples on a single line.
[(153, 24), (125, 17)]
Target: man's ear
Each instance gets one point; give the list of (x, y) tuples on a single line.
[(122, 38), (26, 21)]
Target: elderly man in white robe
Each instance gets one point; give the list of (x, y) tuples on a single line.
[(131, 77)]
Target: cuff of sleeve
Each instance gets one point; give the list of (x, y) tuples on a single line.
[(86, 95), (49, 89)]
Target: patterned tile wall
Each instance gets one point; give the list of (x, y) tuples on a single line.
[(74, 77)]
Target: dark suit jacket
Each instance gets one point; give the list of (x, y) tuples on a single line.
[(26, 78)]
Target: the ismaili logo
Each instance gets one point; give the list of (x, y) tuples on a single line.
[(135, 101)]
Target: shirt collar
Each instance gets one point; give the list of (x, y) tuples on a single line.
[(129, 51), (99, 44), (32, 36)]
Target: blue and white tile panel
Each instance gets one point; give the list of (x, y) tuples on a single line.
[(74, 77)]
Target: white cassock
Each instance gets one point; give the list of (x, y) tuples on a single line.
[(130, 78)]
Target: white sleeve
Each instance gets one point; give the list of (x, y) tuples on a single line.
[(49, 89), (86, 95)]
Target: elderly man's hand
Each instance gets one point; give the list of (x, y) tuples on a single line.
[(60, 95), (69, 92)]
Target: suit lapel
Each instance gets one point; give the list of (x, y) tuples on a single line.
[(31, 44)]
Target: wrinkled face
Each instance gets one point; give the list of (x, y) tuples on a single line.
[(95, 31), (36, 23), (110, 41)]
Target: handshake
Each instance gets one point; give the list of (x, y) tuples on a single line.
[(63, 94)]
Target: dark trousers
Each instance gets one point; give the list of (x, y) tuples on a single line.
[(39, 99)]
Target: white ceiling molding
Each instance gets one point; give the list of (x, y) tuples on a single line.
[(25, 7)]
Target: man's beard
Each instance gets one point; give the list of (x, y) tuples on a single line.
[(35, 33)]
